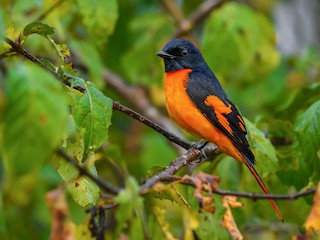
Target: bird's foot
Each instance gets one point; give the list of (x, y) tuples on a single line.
[(199, 146)]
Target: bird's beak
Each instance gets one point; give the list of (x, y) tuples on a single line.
[(165, 55)]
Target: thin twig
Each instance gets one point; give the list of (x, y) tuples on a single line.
[(256, 196), (174, 10), (250, 195), (82, 171), (171, 137), (49, 10), (197, 16), (18, 49)]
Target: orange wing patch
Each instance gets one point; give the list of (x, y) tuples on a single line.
[(241, 124), (220, 108)]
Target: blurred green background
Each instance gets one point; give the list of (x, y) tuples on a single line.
[(265, 54)]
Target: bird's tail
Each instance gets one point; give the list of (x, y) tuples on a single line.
[(264, 188)]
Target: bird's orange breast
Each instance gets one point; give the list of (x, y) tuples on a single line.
[(185, 113)]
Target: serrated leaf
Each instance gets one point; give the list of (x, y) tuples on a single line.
[(307, 129), (262, 149), (36, 28), (92, 113), (83, 190), (35, 116), (99, 21)]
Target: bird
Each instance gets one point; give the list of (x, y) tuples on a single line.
[(196, 101)]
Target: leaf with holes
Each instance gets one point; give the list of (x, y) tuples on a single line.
[(62, 49), (36, 28), (83, 190)]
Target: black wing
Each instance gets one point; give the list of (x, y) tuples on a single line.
[(207, 94)]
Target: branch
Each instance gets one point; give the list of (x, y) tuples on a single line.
[(168, 175), (256, 196), (49, 10), (16, 47), (174, 167), (171, 137), (253, 196), (82, 171), (187, 25)]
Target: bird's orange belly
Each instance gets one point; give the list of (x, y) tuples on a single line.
[(185, 113)]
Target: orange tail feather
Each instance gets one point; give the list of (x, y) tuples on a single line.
[(264, 188)]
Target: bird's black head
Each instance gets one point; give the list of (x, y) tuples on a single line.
[(180, 54)]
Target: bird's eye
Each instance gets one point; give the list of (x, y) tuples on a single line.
[(184, 52)]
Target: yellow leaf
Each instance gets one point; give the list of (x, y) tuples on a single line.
[(312, 223), (207, 182), (228, 221), (160, 213)]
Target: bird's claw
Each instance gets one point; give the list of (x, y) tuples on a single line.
[(199, 146)]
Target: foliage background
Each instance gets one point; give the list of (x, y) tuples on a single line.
[(277, 91)]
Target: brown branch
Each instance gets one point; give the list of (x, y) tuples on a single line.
[(49, 10), (187, 25), (174, 10), (16, 47), (250, 195), (256, 196), (168, 175), (171, 137), (138, 97), (174, 167)]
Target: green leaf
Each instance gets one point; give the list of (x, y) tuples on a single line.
[(307, 129), (130, 204), (92, 113), (83, 190), (99, 21), (36, 28), (62, 49), (239, 43), (35, 116), (262, 149)]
